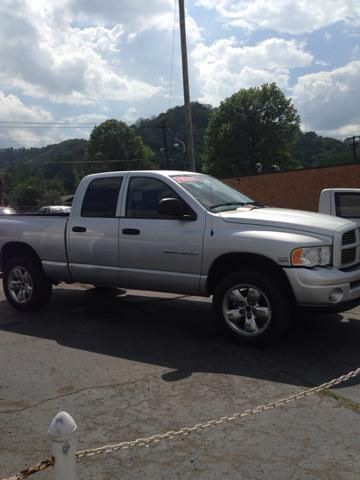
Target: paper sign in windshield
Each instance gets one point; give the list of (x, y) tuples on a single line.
[(186, 179)]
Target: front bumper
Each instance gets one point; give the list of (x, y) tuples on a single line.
[(312, 287)]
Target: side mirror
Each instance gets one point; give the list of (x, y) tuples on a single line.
[(171, 207)]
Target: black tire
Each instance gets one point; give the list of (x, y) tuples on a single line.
[(252, 307), (36, 287)]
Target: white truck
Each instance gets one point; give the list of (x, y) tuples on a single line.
[(191, 234), (341, 202)]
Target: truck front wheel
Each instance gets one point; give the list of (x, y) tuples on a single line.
[(25, 285), (252, 307)]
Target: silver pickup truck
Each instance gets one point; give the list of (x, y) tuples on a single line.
[(186, 233)]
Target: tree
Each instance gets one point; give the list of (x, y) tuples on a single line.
[(56, 165), (151, 131), (254, 126), (28, 193), (51, 197), (115, 146), (313, 150)]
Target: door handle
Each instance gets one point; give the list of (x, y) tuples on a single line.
[(79, 229), (131, 231)]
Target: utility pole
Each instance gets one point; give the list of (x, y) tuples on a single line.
[(354, 143), (165, 149), (1, 190), (188, 121), (164, 129)]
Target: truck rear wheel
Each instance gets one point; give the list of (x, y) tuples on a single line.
[(252, 307), (25, 285)]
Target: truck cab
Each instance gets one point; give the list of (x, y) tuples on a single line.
[(341, 202)]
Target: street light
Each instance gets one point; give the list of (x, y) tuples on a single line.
[(354, 143), (177, 143)]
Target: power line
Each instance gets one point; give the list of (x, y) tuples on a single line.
[(44, 126), (90, 162), (67, 162), (29, 139), (3, 122)]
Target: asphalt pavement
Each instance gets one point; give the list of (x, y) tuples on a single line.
[(132, 364)]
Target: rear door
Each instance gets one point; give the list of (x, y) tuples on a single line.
[(93, 233)]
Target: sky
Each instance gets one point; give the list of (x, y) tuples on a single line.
[(71, 64)]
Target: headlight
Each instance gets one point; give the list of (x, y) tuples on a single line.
[(311, 256)]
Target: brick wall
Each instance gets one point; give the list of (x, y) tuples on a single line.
[(297, 189)]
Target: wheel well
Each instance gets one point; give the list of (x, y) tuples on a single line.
[(17, 249), (231, 262)]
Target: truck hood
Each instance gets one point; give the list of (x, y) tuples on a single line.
[(286, 218)]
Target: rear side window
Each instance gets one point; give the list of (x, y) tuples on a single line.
[(101, 197), (347, 205)]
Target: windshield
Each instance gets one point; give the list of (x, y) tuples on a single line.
[(211, 193)]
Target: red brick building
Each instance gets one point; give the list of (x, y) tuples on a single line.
[(297, 188)]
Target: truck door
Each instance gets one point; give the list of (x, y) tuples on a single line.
[(159, 253), (93, 234)]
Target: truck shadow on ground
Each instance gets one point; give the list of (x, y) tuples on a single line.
[(177, 333)]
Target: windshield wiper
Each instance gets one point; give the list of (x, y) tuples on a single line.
[(228, 204), (241, 204), (255, 205)]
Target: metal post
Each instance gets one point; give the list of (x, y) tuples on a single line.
[(188, 120), (63, 446)]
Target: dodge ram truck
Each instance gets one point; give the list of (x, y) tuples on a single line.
[(186, 233)]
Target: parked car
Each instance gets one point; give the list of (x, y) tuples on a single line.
[(7, 211), (191, 234), (54, 210)]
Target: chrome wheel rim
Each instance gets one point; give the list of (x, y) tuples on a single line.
[(246, 310), (20, 285)]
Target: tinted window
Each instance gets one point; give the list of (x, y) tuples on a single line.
[(144, 195), (348, 205), (101, 197)]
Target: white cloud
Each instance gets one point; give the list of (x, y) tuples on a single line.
[(13, 110), (85, 118), (131, 115), (61, 62), (328, 37), (328, 101), (223, 67), (291, 16), (193, 31), (135, 14), (114, 56), (21, 134)]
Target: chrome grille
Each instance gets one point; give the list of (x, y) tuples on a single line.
[(349, 237), (347, 251), (348, 256)]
